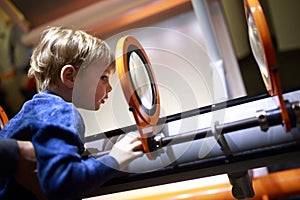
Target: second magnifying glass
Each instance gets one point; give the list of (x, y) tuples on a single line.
[(264, 53)]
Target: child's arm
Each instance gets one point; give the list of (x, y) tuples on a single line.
[(63, 174)]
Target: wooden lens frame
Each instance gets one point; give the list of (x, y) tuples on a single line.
[(254, 8), (146, 119)]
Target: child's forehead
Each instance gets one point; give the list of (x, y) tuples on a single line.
[(97, 66), (110, 69)]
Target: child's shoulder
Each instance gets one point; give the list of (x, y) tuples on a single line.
[(46, 105)]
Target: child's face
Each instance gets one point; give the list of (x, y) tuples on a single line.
[(103, 87), (92, 86)]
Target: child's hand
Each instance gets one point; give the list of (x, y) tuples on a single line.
[(127, 149)]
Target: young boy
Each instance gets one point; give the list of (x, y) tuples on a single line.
[(71, 69)]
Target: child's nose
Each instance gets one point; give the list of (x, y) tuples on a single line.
[(108, 88)]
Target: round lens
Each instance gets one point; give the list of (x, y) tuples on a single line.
[(140, 80), (258, 51)]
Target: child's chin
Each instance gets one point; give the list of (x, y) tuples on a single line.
[(97, 107)]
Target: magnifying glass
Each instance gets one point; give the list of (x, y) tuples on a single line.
[(264, 54), (139, 87)]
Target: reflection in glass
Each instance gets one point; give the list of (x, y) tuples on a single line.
[(140, 80), (1, 124), (258, 51)]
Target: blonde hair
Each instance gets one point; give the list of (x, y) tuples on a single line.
[(60, 46)]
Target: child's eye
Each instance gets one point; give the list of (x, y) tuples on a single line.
[(104, 78)]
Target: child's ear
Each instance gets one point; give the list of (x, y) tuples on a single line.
[(68, 75)]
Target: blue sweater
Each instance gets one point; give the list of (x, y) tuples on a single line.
[(56, 130)]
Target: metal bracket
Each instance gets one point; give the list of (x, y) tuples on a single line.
[(158, 141), (241, 185), (262, 120), (296, 108), (217, 133)]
